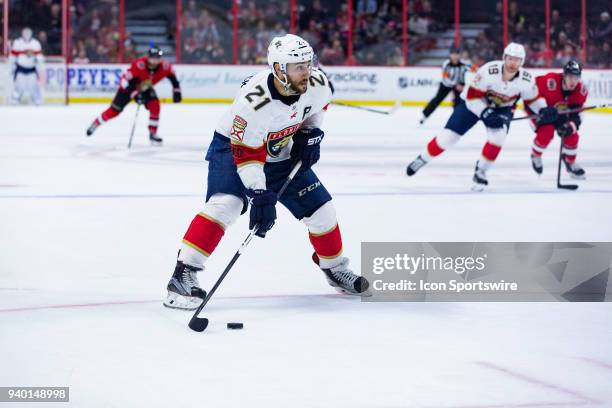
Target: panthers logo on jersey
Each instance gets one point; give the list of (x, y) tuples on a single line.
[(276, 141)]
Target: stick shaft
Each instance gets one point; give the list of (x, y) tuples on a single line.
[(133, 126), (568, 111), (244, 244), (365, 108)]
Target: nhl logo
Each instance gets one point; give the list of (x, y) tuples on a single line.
[(403, 82)]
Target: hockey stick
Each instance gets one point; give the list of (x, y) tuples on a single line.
[(134, 126), (199, 324), (568, 111), (559, 185), (365, 108)]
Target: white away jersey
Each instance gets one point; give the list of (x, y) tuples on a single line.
[(261, 122), (488, 89), (26, 54)]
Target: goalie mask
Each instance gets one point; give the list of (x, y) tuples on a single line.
[(288, 49)]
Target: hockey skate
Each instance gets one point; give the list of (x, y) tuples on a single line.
[(184, 290), (536, 163), (344, 280), (479, 179), (574, 169), (92, 128), (155, 140), (415, 165)]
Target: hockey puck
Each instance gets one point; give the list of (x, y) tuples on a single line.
[(235, 326)]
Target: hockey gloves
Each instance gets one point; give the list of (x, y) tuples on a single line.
[(492, 118), (145, 96), (307, 147), (566, 129), (263, 210), (177, 97), (547, 115)]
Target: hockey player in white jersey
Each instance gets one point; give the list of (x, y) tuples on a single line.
[(26, 62), (491, 97), (274, 122)]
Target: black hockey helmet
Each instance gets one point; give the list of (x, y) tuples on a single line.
[(572, 68), (454, 50), (155, 52)]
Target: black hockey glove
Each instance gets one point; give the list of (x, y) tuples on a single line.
[(566, 129), (575, 117), (263, 210), (494, 119), (177, 97), (547, 115), (307, 147), (145, 96)]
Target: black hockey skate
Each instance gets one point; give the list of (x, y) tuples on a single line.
[(184, 290), (479, 179), (415, 165), (344, 280), (536, 163), (574, 170), (155, 140), (92, 128)]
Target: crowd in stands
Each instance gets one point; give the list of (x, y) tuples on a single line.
[(207, 30), (526, 25), (95, 31)]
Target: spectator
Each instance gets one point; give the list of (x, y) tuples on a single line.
[(603, 30)]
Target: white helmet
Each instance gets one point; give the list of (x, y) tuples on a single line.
[(288, 49), (515, 50)]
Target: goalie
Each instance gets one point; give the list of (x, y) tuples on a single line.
[(26, 62)]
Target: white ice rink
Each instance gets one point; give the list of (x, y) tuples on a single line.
[(89, 233)]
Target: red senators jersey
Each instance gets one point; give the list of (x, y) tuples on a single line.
[(143, 77), (549, 87)]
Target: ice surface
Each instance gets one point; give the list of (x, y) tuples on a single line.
[(89, 233)]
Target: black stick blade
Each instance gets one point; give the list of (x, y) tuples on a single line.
[(568, 186), (198, 324)]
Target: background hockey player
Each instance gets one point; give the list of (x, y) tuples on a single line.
[(137, 82), (26, 62), (490, 97), (274, 122), (561, 91), (453, 79)]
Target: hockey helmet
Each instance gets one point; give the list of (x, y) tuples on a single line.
[(572, 68), (155, 52), (288, 49), (515, 50)]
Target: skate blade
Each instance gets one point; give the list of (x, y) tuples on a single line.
[(341, 291), (478, 188), (176, 301), (575, 177)]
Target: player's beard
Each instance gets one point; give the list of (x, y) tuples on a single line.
[(299, 87)]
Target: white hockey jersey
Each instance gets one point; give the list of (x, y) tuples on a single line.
[(488, 89), (262, 122), (26, 54)]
